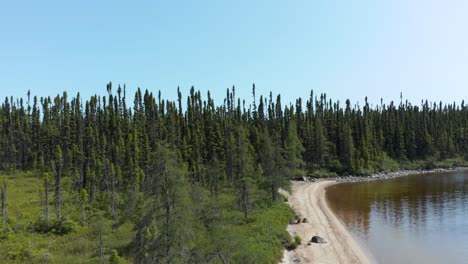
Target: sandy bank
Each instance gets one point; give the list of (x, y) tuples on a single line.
[(308, 199)]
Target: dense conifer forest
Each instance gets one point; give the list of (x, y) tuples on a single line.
[(147, 180)]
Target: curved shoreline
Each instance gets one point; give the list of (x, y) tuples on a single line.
[(308, 199)]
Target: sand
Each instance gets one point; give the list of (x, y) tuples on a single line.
[(308, 199)]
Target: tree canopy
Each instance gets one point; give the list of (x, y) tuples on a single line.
[(208, 166)]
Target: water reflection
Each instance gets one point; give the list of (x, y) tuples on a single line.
[(427, 211)]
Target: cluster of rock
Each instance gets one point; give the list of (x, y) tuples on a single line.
[(298, 219), (383, 175)]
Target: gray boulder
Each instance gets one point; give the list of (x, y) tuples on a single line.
[(319, 240), (293, 222)]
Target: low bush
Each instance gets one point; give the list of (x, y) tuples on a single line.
[(57, 227), (295, 243), (322, 173)]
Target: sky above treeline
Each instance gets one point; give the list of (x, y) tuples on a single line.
[(346, 49)]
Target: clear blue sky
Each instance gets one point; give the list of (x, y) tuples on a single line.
[(348, 49)]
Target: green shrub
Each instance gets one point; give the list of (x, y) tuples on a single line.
[(386, 164), (63, 226), (42, 226), (58, 227), (322, 173), (295, 243), (21, 253), (115, 258), (297, 240)]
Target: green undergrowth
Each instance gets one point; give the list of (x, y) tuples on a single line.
[(265, 236), (433, 162), (259, 239), (21, 243)]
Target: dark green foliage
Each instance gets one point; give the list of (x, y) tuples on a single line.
[(293, 149), (59, 226), (198, 182), (276, 164), (163, 234)]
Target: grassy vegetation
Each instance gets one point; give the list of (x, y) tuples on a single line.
[(260, 239), (20, 244), (265, 236)]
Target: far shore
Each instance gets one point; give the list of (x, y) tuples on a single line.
[(384, 175), (309, 201)]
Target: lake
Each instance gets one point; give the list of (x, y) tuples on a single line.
[(411, 219)]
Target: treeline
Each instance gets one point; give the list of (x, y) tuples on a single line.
[(104, 131), (190, 173)]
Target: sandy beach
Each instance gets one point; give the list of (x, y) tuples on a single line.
[(308, 199)]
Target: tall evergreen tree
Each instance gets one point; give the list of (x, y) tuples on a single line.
[(158, 239)]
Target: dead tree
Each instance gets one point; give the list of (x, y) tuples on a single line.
[(4, 210)]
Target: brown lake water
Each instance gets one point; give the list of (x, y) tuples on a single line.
[(411, 219)]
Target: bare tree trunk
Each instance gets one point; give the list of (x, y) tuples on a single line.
[(245, 199), (83, 213), (92, 191), (4, 211), (46, 255), (101, 254), (41, 204), (114, 209), (46, 185), (113, 205), (31, 246), (58, 189)]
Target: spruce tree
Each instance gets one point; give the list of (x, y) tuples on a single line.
[(163, 232)]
